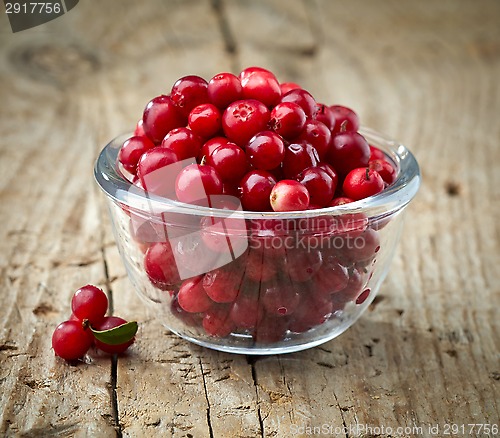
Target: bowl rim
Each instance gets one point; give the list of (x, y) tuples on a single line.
[(392, 199)]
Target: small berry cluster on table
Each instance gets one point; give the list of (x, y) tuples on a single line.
[(88, 326), (271, 147)]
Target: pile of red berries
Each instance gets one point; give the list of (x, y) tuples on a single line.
[(88, 326), (270, 146)]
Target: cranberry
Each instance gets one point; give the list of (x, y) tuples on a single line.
[(328, 168), (269, 235), (70, 340), (132, 150), (189, 92), (325, 115), (265, 150), (311, 313), (361, 247), (350, 292), (288, 86), (280, 299), (331, 277), (258, 267), (348, 150), (139, 129), (260, 84), (256, 188), (319, 184), (362, 182), (364, 295), (346, 120), (217, 322), (243, 119), (205, 120), (222, 284), (299, 156), (110, 322), (197, 183), (376, 154), (184, 142), (384, 169), (270, 330), (190, 319), (161, 116), (287, 119), (302, 98), (300, 265), (209, 146), (229, 161), (341, 200), (223, 89), (157, 170), (246, 312), (289, 195), (160, 265), (192, 297), (90, 303), (318, 135)]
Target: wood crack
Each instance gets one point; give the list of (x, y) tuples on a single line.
[(209, 420), (251, 361)]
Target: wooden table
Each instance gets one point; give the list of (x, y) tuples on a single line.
[(427, 351)]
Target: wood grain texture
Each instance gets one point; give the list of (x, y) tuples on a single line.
[(426, 352)]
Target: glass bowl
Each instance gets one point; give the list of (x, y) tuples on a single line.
[(257, 282)]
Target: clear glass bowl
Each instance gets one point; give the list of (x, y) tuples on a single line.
[(257, 282)]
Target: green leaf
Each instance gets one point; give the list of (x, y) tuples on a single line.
[(117, 335)]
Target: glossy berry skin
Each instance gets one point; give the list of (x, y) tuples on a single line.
[(325, 115), (229, 161), (289, 195), (209, 146), (197, 183), (328, 168), (246, 312), (362, 182), (302, 98), (205, 120), (384, 169), (160, 265), (300, 265), (288, 86), (157, 170), (341, 200), (330, 278), (189, 92), (346, 120), (319, 184), (139, 129), (243, 119), (376, 154), (161, 116), (256, 188), (258, 267), (70, 340), (348, 150), (317, 135), (110, 322), (265, 150), (260, 84), (217, 322), (89, 302), (132, 150), (280, 299), (222, 285), (287, 119), (223, 89), (299, 156), (192, 296), (183, 142)]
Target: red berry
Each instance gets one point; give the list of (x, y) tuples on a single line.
[(161, 116), (299, 156), (341, 200), (302, 98), (376, 154), (209, 146), (246, 312), (256, 188), (205, 120), (384, 169), (346, 120), (301, 264), (265, 150), (260, 84), (362, 182), (70, 340), (287, 119), (330, 278), (192, 297), (222, 285), (317, 135), (325, 115), (243, 119), (131, 150), (348, 150), (189, 92), (224, 89), (361, 247), (139, 129), (89, 302), (288, 86), (217, 322), (197, 183), (258, 267), (183, 142), (229, 161), (319, 184), (160, 265), (280, 299), (110, 322), (289, 195), (314, 312), (157, 170), (328, 168)]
